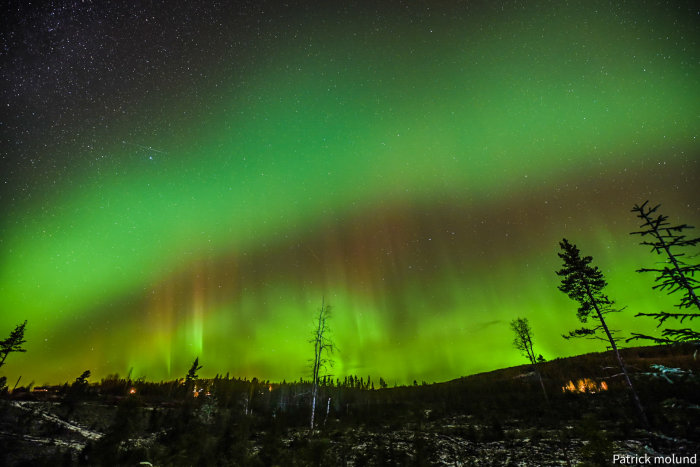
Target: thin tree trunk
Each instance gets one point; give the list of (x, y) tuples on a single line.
[(682, 277), (328, 409), (18, 379), (531, 354), (544, 391), (637, 402), (317, 363), (313, 405), (321, 344)]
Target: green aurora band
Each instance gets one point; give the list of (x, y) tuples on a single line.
[(418, 179)]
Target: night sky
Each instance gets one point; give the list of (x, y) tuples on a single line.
[(182, 181)]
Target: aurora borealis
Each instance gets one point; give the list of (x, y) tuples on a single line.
[(192, 180)]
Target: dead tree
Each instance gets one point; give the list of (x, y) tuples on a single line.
[(523, 342), (584, 284), (674, 276), (323, 348)]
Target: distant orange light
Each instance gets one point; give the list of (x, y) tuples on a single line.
[(132, 391), (270, 388), (585, 385)]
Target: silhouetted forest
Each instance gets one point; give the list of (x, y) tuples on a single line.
[(229, 421)]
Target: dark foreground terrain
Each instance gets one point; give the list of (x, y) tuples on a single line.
[(496, 418)]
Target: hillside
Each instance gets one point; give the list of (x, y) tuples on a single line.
[(495, 418)]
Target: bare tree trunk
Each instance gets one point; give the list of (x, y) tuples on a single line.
[(318, 347), (539, 375), (533, 359), (313, 404), (635, 398), (328, 409), (544, 391), (321, 344), (670, 255)]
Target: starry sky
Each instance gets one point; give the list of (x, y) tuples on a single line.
[(183, 180)]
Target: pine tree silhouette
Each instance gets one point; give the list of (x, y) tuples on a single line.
[(584, 284), (675, 276), (13, 343)]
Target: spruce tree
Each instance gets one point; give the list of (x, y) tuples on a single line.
[(675, 276), (192, 376), (13, 343), (192, 373), (585, 284)]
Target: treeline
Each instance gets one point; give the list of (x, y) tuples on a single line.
[(117, 387), (257, 422), (342, 397)]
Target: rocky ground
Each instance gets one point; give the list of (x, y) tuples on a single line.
[(32, 431), (495, 418)]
